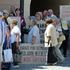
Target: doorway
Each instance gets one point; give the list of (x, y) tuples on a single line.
[(40, 5)]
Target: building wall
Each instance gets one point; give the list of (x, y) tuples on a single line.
[(27, 11), (5, 4)]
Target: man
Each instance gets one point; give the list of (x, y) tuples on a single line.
[(45, 14), (51, 14), (34, 36)]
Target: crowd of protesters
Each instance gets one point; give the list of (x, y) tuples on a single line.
[(55, 37)]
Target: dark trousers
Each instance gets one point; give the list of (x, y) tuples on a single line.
[(51, 56), (64, 44), (5, 66), (14, 51)]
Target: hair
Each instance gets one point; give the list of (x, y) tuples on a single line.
[(17, 9), (14, 22), (50, 21), (5, 18), (40, 14)]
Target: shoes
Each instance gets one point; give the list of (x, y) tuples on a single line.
[(52, 63), (61, 61), (16, 66), (55, 63)]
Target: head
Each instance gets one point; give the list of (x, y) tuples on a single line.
[(17, 12), (5, 13), (50, 21), (45, 13), (14, 22), (4, 18), (34, 22), (12, 8), (38, 16), (50, 12), (54, 22)]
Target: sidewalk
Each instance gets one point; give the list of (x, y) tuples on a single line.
[(63, 66)]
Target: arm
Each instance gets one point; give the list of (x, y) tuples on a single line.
[(33, 40), (48, 39), (0, 37), (17, 40), (8, 35)]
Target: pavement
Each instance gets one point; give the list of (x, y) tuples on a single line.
[(62, 66)]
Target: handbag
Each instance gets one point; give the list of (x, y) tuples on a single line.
[(8, 56), (61, 38)]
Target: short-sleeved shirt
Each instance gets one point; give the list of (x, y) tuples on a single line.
[(34, 32), (13, 34), (51, 31)]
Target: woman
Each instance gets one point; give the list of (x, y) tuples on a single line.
[(51, 41), (39, 17), (15, 39), (41, 25), (22, 23), (34, 36), (1, 41), (6, 39)]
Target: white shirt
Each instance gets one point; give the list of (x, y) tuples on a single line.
[(13, 33), (51, 31), (34, 32)]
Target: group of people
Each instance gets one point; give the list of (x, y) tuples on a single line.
[(11, 35), (54, 35)]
